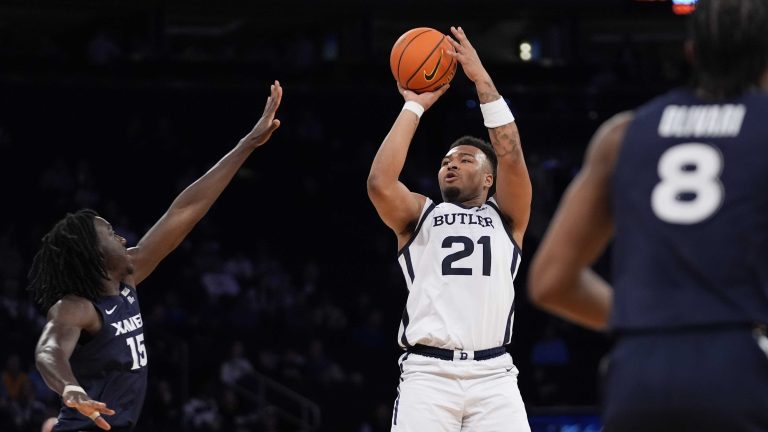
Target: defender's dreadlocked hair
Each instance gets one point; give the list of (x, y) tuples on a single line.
[(730, 40), (490, 153), (69, 261)]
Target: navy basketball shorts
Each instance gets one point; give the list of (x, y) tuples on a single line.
[(712, 380)]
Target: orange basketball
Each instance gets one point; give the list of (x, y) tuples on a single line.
[(420, 61)]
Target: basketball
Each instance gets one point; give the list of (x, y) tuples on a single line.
[(420, 61)]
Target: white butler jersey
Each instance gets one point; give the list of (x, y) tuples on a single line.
[(459, 267)]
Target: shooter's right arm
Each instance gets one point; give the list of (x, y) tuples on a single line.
[(397, 206)]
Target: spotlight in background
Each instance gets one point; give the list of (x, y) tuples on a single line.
[(679, 7), (683, 7)]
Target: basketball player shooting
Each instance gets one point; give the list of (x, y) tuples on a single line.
[(459, 258), (84, 277)]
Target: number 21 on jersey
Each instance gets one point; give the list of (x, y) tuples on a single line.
[(468, 247)]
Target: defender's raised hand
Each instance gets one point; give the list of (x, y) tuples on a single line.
[(267, 123), (466, 54)]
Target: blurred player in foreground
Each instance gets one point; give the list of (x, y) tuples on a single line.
[(680, 186)]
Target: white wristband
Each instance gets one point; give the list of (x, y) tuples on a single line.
[(496, 113), (414, 107), (69, 387)]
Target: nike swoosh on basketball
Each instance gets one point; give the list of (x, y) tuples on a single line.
[(109, 311), (431, 76)]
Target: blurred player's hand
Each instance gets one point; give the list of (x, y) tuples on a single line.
[(426, 99), (466, 54), (88, 407), (267, 123)]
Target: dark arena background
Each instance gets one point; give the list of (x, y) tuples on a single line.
[(280, 310)]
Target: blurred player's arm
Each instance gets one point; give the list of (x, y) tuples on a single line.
[(193, 202), (560, 279), (397, 206), (513, 185), (67, 319)]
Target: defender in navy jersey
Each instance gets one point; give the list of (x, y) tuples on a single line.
[(92, 349), (679, 185), (111, 364), (459, 259)]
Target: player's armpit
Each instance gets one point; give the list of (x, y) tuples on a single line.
[(76, 312), (398, 208)]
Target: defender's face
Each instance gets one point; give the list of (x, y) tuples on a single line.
[(112, 245), (464, 173)]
